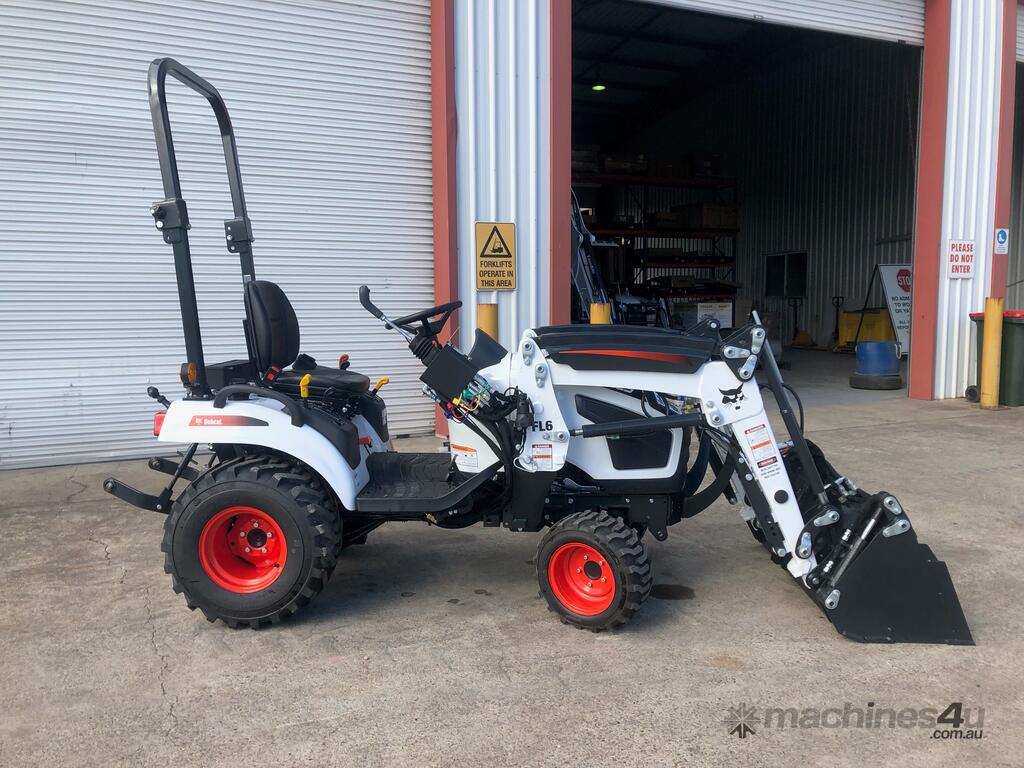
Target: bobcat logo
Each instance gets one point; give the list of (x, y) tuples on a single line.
[(730, 396)]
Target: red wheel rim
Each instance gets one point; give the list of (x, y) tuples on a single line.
[(242, 549), (581, 579)]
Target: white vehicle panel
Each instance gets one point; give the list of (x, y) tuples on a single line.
[(263, 422), (592, 455)]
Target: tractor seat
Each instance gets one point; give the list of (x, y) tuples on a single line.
[(274, 330)]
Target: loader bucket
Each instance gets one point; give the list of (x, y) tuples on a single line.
[(897, 591)]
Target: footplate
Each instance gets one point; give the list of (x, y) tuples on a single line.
[(403, 483)]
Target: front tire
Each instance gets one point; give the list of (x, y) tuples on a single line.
[(252, 541), (593, 570)]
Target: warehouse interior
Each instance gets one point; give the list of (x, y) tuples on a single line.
[(1015, 261), (724, 164)]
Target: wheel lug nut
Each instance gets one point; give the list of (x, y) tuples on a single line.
[(241, 534), (264, 551), (586, 557), (603, 579), (579, 570), (270, 534), (255, 523), (590, 583), (247, 549)]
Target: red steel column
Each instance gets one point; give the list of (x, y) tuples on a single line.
[(928, 226), (561, 159), (444, 128)]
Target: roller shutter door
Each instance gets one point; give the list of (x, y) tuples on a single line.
[(1020, 34), (331, 106), (894, 20)]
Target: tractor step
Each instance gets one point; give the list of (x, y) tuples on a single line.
[(416, 483)]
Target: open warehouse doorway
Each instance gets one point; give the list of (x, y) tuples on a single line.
[(725, 164)]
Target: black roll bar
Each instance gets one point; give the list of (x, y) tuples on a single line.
[(171, 213)]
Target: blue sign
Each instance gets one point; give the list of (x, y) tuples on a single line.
[(1002, 240)]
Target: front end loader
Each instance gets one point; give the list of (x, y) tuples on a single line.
[(594, 436)]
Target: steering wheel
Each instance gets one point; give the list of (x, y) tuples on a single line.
[(408, 322)]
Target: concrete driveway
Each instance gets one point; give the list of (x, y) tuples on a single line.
[(432, 647)]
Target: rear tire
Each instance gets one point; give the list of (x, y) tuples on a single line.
[(864, 381), (593, 571), (252, 541)]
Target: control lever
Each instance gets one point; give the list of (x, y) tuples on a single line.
[(155, 394), (373, 309)]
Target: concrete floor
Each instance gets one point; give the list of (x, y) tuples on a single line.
[(433, 648)]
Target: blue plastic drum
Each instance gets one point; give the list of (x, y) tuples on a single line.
[(878, 358)]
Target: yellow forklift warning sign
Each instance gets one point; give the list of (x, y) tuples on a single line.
[(495, 256)]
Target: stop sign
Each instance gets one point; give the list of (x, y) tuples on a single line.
[(903, 279)]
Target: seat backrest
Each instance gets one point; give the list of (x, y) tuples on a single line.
[(274, 326)]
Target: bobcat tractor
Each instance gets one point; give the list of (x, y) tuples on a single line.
[(595, 437)]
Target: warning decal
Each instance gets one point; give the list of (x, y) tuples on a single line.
[(960, 259), (496, 256), (465, 457), (542, 456), (762, 450)]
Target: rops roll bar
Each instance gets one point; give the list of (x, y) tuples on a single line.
[(171, 213)]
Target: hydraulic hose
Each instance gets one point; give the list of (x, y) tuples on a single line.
[(799, 402)]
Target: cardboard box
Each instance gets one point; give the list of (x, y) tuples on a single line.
[(671, 168), (586, 159), (665, 220), (719, 310), (708, 216), (626, 164), (706, 163)]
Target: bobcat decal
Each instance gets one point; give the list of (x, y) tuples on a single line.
[(730, 396)]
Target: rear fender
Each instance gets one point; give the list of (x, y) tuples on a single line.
[(264, 423)]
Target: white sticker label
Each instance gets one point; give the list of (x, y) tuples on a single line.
[(1002, 241), (960, 259), (543, 456), (762, 450), (465, 457)]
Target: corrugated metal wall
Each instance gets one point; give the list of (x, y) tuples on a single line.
[(824, 151), (1020, 35), (1015, 269), (968, 210), (502, 74), (893, 20), (331, 104)]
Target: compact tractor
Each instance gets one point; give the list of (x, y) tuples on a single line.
[(594, 436)]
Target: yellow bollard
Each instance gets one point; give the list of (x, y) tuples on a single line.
[(600, 314), (992, 350), (487, 319)]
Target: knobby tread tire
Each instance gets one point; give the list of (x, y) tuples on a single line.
[(313, 508), (618, 541)]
